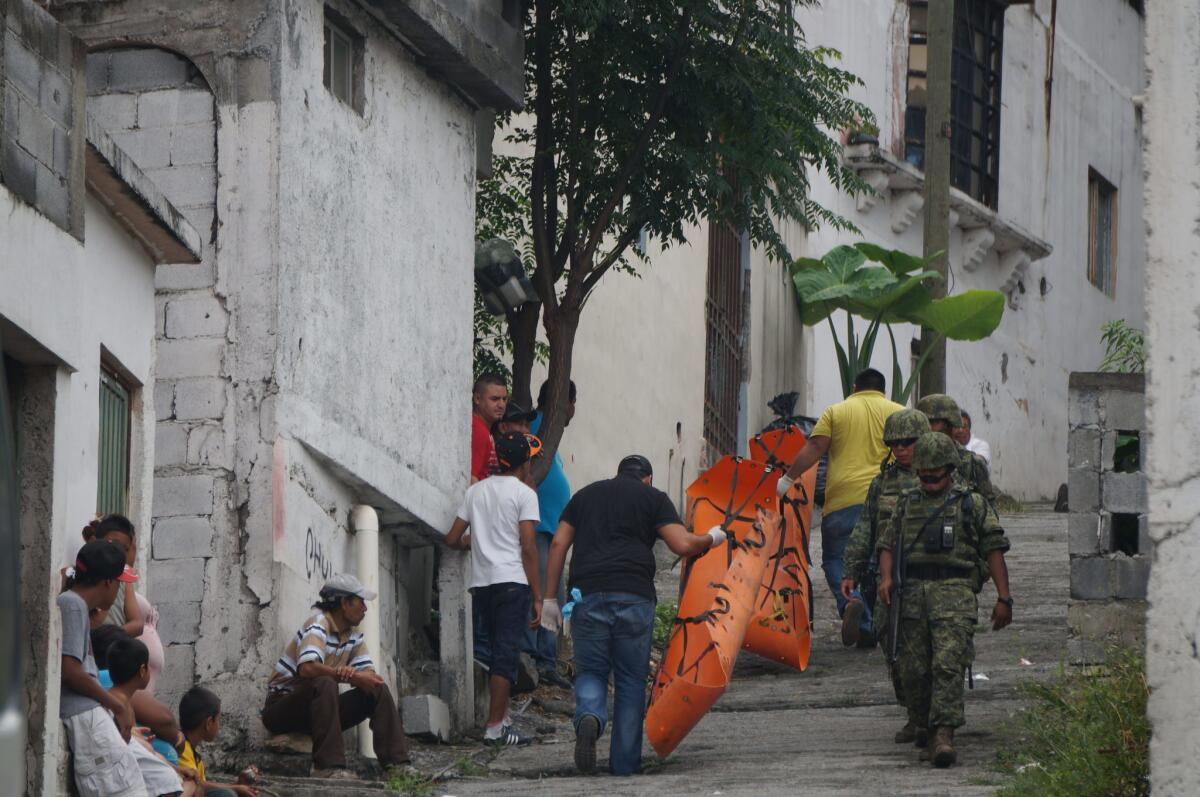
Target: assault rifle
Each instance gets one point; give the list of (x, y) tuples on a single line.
[(897, 599)]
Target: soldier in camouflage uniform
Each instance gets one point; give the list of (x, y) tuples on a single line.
[(972, 469), (940, 534), (896, 476), (900, 433)]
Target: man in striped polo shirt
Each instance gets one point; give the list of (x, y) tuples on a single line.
[(303, 691)]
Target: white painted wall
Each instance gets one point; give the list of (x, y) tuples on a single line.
[(1015, 383), (1173, 269), (639, 369), (376, 258), (74, 300)]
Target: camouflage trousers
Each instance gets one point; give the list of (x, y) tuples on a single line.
[(937, 642)]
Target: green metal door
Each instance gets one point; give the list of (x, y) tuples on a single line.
[(112, 491)]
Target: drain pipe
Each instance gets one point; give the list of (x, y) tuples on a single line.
[(365, 521)]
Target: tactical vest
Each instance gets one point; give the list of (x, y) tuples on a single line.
[(895, 482), (941, 530)]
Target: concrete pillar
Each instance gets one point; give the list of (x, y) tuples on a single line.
[(456, 654), (1172, 213)]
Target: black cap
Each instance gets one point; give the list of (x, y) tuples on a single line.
[(515, 412), (635, 465), (101, 561), (512, 450)]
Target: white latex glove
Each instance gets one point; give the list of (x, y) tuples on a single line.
[(551, 615), (718, 536), (783, 485)]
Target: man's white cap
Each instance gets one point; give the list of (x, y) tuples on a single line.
[(345, 584)]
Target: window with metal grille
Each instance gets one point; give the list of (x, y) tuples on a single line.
[(975, 94), (343, 61), (1102, 233), (723, 360), (112, 489)]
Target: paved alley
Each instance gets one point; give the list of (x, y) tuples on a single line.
[(828, 731)]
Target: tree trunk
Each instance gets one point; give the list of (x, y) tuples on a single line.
[(522, 331), (561, 327)]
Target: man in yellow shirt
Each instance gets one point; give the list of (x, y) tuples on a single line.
[(851, 432)]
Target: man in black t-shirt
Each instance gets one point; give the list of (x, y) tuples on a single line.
[(613, 525)]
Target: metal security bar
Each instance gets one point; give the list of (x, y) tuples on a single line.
[(1102, 233), (723, 361), (112, 484), (975, 94)]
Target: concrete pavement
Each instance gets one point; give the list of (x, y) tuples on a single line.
[(828, 731)]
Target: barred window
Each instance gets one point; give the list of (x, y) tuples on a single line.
[(723, 361), (975, 94), (1102, 233), (112, 489)]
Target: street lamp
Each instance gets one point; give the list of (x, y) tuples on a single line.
[(501, 277)]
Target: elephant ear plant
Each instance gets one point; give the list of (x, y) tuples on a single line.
[(886, 287)]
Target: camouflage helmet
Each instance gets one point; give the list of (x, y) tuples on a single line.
[(934, 450), (940, 407), (904, 425)]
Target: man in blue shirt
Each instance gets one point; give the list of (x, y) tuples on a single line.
[(553, 494)]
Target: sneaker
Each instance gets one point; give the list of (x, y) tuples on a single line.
[(851, 617), (333, 773), (585, 744), (552, 678), (509, 737)]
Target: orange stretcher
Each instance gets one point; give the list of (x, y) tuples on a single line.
[(753, 593), (781, 628)]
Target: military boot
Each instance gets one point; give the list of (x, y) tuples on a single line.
[(943, 747), (910, 733)]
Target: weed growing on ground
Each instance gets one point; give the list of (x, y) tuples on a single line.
[(1007, 505), (848, 700), (467, 767), (1084, 733), (409, 784), (664, 623)]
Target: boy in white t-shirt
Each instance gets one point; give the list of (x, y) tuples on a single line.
[(502, 514)]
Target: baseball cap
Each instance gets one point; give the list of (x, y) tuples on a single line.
[(514, 449), (515, 412), (636, 462), (346, 584), (104, 561)]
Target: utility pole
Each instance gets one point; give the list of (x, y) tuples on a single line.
[(938, 76)]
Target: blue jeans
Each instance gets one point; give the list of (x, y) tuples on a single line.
[(835, 533), (612, 633), (540, 643)]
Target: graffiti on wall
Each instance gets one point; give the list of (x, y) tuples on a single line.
[(315, 559)]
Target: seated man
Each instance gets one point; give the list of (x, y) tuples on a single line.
[(303, 691)]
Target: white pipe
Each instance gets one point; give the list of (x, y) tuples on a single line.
[(366, 543)]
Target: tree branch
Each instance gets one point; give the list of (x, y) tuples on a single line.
[(626, 238), (618, 193), (543, 190)]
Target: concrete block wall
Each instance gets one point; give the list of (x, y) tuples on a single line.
[(1107, 529), (157, 106), (42, 121)]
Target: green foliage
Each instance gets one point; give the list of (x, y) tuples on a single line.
[(409, 784), (896, 291), (650, 116), (1127, 454), (1124, 348), (1084, 733), (664, 623)]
